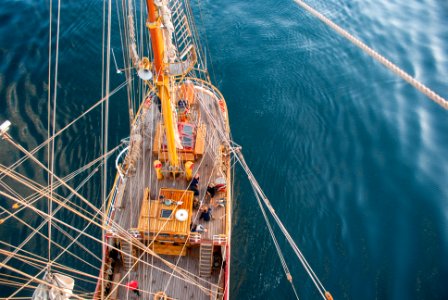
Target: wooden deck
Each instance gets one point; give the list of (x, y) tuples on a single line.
[(152, 274), (160, 278)]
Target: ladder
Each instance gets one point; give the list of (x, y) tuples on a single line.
[(205, 259), (127, 259)]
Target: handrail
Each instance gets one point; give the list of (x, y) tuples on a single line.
[(195, 237), (219, 239)]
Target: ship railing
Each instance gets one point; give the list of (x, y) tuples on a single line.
[(219, 239), (182, 67), (195, 238), (117, 201), (110, 211), (120, 158), (205, 92), (135, 233), (207, 86), (112, 203), (110, 233)]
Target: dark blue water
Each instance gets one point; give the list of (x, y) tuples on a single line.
[(352, 158)]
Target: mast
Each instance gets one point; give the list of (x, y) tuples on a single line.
[(162, 79)]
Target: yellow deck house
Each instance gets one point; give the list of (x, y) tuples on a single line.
[(167, 219)]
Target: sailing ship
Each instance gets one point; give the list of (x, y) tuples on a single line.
[(168, 220)]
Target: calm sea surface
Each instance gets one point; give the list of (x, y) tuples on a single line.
[(352, 158)]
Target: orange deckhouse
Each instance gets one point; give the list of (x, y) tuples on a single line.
[(166, 221)]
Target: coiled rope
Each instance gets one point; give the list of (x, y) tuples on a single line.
[(378, 57)]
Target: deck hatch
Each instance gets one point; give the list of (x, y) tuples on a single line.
[(166, 213)]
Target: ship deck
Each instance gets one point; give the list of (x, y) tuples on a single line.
[(161, 278), (151, 272)]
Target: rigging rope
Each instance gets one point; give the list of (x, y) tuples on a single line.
[(82, 232), (40, 281), (119, 230), (65, 248), (105, 133), (206, 43), (293, 245), (277, 246), (24, 158), (378, 57), (55, 91), (34, 197), (39, 263), (125, 234), (49, 89)]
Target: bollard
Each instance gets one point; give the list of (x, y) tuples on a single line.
[(189, 170), (158, 168)]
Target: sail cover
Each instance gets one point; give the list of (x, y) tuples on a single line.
[(59, 287)]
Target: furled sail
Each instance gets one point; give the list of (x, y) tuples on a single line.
[(168, 29), (59, 287)]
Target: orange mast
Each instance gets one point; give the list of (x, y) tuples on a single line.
[(162, 80)]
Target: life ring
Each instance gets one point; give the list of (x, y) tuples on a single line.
[(182, 215)]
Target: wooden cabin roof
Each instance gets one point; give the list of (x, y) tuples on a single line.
[(156, 215)]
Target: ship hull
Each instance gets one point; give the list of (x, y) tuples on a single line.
[(191, 265)]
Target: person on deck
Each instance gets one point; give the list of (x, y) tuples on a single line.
[(133, 286), (194, 185), (182, 104), (211, 191), (206, 214), (199, 228), (182, 109)]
